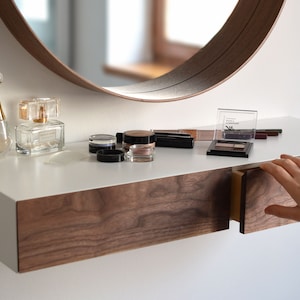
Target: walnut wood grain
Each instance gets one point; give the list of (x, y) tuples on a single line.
[(71, 227), (259, 190)]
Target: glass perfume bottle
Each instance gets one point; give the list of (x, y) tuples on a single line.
[(40, 133), (5, 140)]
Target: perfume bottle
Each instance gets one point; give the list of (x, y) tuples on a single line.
[(5, 140), (40, 133)]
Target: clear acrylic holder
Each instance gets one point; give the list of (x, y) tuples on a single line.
[(234, 124), (235, 130)]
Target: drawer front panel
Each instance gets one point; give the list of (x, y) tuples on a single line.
[(71, 227), (261, 190)]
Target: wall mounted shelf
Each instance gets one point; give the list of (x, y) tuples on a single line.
[(54, 214)]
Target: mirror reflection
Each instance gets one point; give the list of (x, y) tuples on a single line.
[(117, 42)]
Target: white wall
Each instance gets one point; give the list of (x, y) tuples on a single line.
[(223, 265)]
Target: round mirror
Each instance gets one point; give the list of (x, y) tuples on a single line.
[(229, 49), (100, 42)]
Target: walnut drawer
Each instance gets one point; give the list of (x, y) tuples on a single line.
[(70, 227), (252, 191)]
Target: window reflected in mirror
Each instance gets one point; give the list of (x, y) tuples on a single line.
[(184, 27), (117, 42)]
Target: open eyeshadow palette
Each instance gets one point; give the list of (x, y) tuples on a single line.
[(229, 148), (234, 133)]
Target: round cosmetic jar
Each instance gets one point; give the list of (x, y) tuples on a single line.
[(139, 145), (101, 142), (134, 137), (140, 153)]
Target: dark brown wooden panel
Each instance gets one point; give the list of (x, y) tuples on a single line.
[(71, 227), (258, 190)]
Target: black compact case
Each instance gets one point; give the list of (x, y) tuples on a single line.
[(229, 148), (174, 140)]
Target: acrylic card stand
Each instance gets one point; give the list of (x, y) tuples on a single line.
[(235, 129)]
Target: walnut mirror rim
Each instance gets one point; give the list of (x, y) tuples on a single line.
[(238, 40)]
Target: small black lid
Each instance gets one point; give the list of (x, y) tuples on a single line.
[(108, 155)]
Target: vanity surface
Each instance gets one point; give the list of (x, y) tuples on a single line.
[(25, 178), (52, 214)]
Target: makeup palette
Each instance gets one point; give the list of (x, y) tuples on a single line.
[(229, 148)]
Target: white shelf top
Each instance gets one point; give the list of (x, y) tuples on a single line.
[(23, 177)]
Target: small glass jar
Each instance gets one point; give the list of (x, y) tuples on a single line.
[(134, 137), (140, 153), (139, 145), (101, 142)]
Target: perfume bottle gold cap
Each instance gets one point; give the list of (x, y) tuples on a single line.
[(39, 109), (2, 115)]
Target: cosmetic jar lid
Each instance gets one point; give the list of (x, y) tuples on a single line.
[(139, 137), (110, 155), (101, 141)]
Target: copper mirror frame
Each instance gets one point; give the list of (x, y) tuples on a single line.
[(237, 41)]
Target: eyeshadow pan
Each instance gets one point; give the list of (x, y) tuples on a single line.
[(230, 145)]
